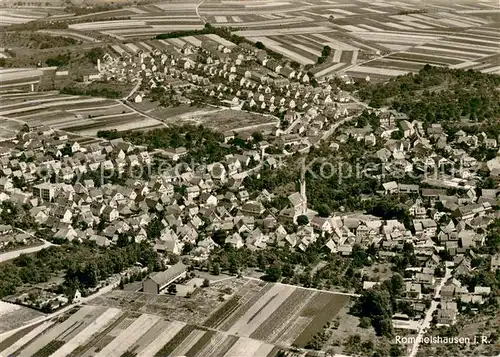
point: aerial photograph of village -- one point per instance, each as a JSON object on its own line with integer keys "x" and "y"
{"x": 249, "y": 178}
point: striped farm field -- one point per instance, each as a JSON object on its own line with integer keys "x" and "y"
{"x": 270, "y": 313}
{"x": 257, "y": 320}
{"x": 322, "y": 309}
{"x": 81, "y": 115}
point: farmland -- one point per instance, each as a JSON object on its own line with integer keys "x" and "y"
{"x": 253, "y": 319}
{"x": 375, "y": 39}
{"x": 75, "y": 114}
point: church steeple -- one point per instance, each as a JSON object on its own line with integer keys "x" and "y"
{"x": 302, "y": 182}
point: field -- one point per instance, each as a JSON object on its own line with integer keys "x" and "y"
{"x": 14, "y": 316}
{"x": 222, "y": 119}
{"x": 378, "y": 39}
{"x": 75, "y": 114}
{"x": 251, "y": 319}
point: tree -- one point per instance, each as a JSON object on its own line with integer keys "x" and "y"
{"x": 273, "y": 273}
{"x": 206, "y": 283}
{"x": 364, "y": 322}
{"x": 260, "y": 45}
{"x": 326, "y": 51}
{"x": 123, "y": 240}
{"x": 396, "y": 285}
{"x": 395, "y": 351}
{"x": 376, "y": 305}
{"x": 397, "y": 135}
{"x": 216, "y": 269}
{"x": 172, "y": 289}
{"x": 257, "y": 136}
{"x": 302, "y": 220}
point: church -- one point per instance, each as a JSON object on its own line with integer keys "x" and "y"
{"x": 298, "y": 203}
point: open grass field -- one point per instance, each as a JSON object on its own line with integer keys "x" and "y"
{"x": 251, "y": 321}
{"x": 224, "y": 119}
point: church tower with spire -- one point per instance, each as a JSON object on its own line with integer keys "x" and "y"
{"x": 302, "y": 182}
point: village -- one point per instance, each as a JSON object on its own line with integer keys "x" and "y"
{"x": 57, "y": 187}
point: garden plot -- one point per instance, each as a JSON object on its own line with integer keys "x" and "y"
{"x": 220, "y": 19}
{"x": 50, "y": 340}
{"x": 70, "y": 34}
{"x": 8, "y": 130}
{"x": 177, "y": 6}
{"x": 21, "y": 338}
{"x": 220, "y": 40}
{"x": 276, "y": 313}
{"x": 287, "y": 52}
{"x": 52, "y": 105}
{"x": 426, "y": 59}
{"x": 166, "y": 332}
{"x": 222, "y": 120}
{"x": 11, "y": 16}
{"x": 87, "y": 333}
{"x": 267, "y": 315}
{"x": 261, "y": 310}
{"x": 120, "y": 123}
{"x": 369, "y": 70}
{"x": 284, "y": 31}
{"x": 9, "y": 75}
{"x": 107, "y": 25}
{"x": 194, "y": 310}
{"x": 330, "y": 70}
{"x": 397, "y": 64}
{"x": 192, "y": 41}
{"x": 128, "y": 336}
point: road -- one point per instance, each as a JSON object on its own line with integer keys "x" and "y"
{"x": 428, "y": 316}
{"x": 136, "y": 87}
{"x": 15, "y": 253}
{"x": 198, "y": 12}
{"x": 357, "y": 101}
{"x": 335, "y": 126}
{"x": 141, "y": 113}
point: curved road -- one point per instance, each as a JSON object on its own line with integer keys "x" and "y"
{"x": 198, "y": 12}
{"x": 15, "y": 253}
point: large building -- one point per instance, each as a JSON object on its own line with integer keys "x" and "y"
{"x": 159, "y": 281}
{"x": 45, "y": 191}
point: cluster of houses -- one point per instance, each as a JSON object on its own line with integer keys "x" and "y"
{"x": 423, "y": 151}
{"x": 442, "y": 222}
{"x": 238, "y": 76}
{"x": 9, "y": 237}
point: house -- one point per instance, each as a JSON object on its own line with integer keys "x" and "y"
{"x": 66, "y": 233}
{"x": 287, "y": 72}
{"x": 495, "y": 262}
{"x": 235, "y": 241}
{"x": 413, "y": 290}
{"x": 138, "y": 98}
{"x": 390, "y": 187}
{"x": 447, "y": 315}
{"x": 321, "y": 224}
{"x": 154, "y": 284}
{"x": 110, "y": 214}
{"x": 407, "y": 128}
